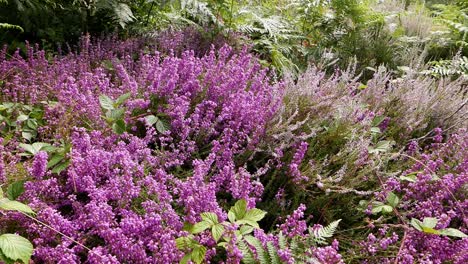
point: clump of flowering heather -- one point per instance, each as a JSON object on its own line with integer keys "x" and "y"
{"x": 126, "y": 198}
{"x": 141, "y": 145}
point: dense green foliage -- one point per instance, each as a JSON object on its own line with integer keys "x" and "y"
{"x": 286, "y": 34}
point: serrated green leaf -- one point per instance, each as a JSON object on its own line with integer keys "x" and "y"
{"x": 375, "y": 130}
{"x": 122, "y": 98}
{"x": 381, "y": 146}
{"x": 200, "y": 227}
{"x": 29, "y": 148}
{"x": 162, "y": 126}
{"x": 187, "y": 257}
{"x": 379, "y": 207}
{"x": 5, "y": 260}
{"x": 430, "y": 222}
{"x": 106, "y": 102}
{"x": 239, "y": 209}
{"x": 187, "y": 227}
{"x": 217, "y": 231}
{"x": 254, "y": 215}
{"x": 377, "y": 120}
{"x": 452, "y": 232}
{"x": 418, "y": 225}
{"x": 231, "y": 216}
{"x": 22, "y": 118}
{"x": 410, "y": 178}
{"x": 182, "y": 242}
{"x": 119, "y": 126}
{"x": 248, "y": 222}
{"x": 115, "y": 114}
{"x": 151, "y": 120}
{"x": 56, "y": 158}
{"x": 211, "y": 218}
{"x": 32, "y": 124}
{"x": 9, "y": 205}
{"x": 392, "y": 199}
{"x": 61, "y": 167}
{"x": 245, "y": 229}
{"x": 15, "y": 189}
{"x": 198, "y": 254}
{"x": 16, "y": 247}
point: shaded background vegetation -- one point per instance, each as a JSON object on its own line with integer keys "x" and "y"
{"x": 287, "y": 35}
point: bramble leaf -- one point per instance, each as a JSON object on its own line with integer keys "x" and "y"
{"x": 16, "y": 247}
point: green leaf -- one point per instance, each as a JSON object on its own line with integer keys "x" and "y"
{"x": 15, "y": 189}
{"x": 377, "y": 120}
{"x": 452, "y": 232}
{"x": 187, "y": 227}
{"x": 198, "y": 254}
{"x": 35, "y": 147}
{"x": 231, "y": 216}
{"x": 182, "y": 242}
{"x": 375, "y": 130}
{"x": 392, "y": 199}
{"x": 115, "y": 114}
{"x": 418, "y": 225}
{"x": 56, "y": 158}
{"x": 379, "y": 207}
{"x": 5, "y": 260}
{"x": 200, "y": 227}
{"x": 27, "y": 135}
{"x": 151, "y": 120}
{"x": 61, "y": 167}
{"x": 430, "y": 222}
{"x": 122, "y": 98}
{"x": 410, "y": 178}
{"x": 32, "y": 123}
{"x": 118, "y": 127}
{"x": 16, "y": 247}
{"x": 254, "y": 215}
{"x": 245, "y": 229}
{"x": 239, "y": 209}
{"x": 217, "y": 231}
{"x": 248, "y": 222}
{"x": 22, "y": 118}
{"x": 106, "y": 102}
{"x": 162, "y": 126}
{"x": 9, "y": 205}
{"x": 381, "y": 146}
{"x": 28, "y": 147}
{"x": 187, "y": 257}
{"x": 211, "y": 218}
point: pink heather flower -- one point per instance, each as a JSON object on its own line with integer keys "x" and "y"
{"x": 2, "y": 164}
{"x": 296, "y": 162}
{"x": 39, "y": 166}
{"x": 294, "y": 224}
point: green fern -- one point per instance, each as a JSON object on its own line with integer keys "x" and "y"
{"x": 445, "y": 68}
{"x": 320, "y": 235}
{"x": 273, "y": 254}
{"x": 10, "y": 26}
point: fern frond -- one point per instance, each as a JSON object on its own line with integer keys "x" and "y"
{"x": 199, "y": 10}
{"x": 10, "y": 26}
{"x": 273, "y": 254}
{"x": 262, "y": 255}
{"x": 247, "y": 255}
{"x": 322, "y": 233}
{"x": 282, "y": 241}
